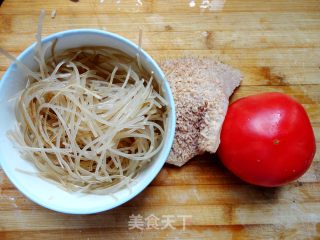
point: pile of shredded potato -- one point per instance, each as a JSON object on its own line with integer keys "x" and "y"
{"x": 90, "y": 118}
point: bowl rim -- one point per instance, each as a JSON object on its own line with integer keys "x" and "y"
{"x": 153, "y": 172}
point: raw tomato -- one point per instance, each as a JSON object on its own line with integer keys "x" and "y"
{"x": 267, "y": 139}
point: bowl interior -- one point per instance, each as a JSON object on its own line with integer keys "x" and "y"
{"x": 43, "y": 192}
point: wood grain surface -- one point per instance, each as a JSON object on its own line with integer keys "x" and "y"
{"x": 276, "y": 45}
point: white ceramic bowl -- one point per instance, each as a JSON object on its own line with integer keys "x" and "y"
{"x": 43, "y": 192}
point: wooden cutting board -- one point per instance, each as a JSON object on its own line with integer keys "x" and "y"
{"x": 276, "y": 45}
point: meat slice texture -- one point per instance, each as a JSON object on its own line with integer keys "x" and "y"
{"x": 201, "y": 88}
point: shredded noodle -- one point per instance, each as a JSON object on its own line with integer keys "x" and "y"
{"x": 90, "y": 118}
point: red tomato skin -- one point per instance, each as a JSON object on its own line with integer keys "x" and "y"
{"x": 267, "y": 139}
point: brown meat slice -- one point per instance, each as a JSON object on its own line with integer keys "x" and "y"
{"x": 201, "y": 88}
